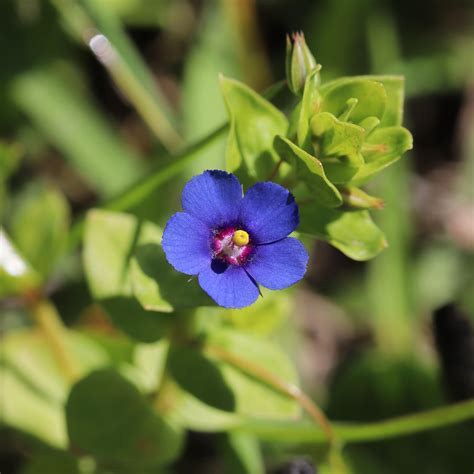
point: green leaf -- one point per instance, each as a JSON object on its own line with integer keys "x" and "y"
{"x": 108, "y": 418}
{"x": 52, "y": 462}
{"x": 189, "y": 412}
{"x": 371, "y": 97}
{"x": 201, "y": 377}
{"x": 251, "y": 396}
{"x": 331, "y": 137}
{"x": 353, "y": 233}
{"x": 383, "y": 147}
{"x": 28, "y": 353}
{"x": 39, "y": 226}
{"x": 110, "y": 241}
{"x": 395, "y": 88}
{"x": 310, "y": 170}
{"x": 33, "y": 385}
{"x": 242, "y": 454}
{"x": 254, "y": 123}
{"x": 156, "y": 285}
{"x": 23, "y": 409}
{"x": 16, "y": 275}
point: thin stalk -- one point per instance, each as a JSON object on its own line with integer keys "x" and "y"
{"x": 85, "y": 29}
{"x": 303, "y": 432}
{"x": 131, "y": 87}
{"x": 288, "y": 389}
{"x": 48, "y": 320}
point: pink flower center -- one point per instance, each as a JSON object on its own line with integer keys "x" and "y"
{"x": 225, "y": 247}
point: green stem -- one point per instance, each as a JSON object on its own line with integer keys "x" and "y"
{"x": 304, "y": 432}
{"x": 288, "y": 389}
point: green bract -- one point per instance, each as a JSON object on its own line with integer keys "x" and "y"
{"x": 341, "y": 134}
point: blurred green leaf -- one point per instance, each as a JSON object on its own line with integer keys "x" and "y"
{"x": 29, "y": 354}
{"x": 33, "y": 385}
{"x": 127, "y": 271}
{"x": 23, "y": 409}
{"x": 310, "y": 170}
{"x": 39, "y": 226}
{"x": 371, "y": 97}
{"x": 156, "y": 285}
{"x": 353, "y": 233}
{"x": 119, "y": 427}
{"x": 52, "y": 462}
{"x": 201, "y": 377}
{"x": 73, "y": 124}
{"x": 253, "y": 397}
{"x": 16, "y": 275}
{"x": 242, "y": 454}
{"x": 254, "y": 123}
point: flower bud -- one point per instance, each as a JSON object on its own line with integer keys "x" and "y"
{"x": 299, "y": 62}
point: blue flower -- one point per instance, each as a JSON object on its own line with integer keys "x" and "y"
{"x": 234, "y": 242}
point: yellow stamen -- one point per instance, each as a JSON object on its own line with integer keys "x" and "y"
{"x": 241, "y": 238}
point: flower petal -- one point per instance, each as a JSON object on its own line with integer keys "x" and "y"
{"x": 228, "y": 285}
{"x": 278, "y": 265}
{"x": 186, "y": 243}
{"x": 214, "y": 197}
{"x": 269, "y": 212}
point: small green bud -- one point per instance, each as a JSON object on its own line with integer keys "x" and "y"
{"x": 299, "y": 62}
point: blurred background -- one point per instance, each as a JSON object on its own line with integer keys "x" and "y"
{"x": 371, "y": 340}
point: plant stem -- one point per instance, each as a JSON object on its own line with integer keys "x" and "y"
{"x": 289, "y": 389}
{"x": 134, "y": 91}
{"x": 303, "y": 432}
{"x": 47, "y": 318}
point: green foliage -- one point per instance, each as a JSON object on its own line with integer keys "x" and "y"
{"x": 119, "y": 428}
{"x": 254, "y": 123}
{"x": 347, "y": 131}
{"x": 43, "y": 208}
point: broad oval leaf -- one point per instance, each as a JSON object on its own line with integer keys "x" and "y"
{"x": 110, "y": 240}
{"x": 254, "y": 123}
{"x": 310, "y": 170}
{"x": 371, "y": 98}
{"x": 353, "y": 233}
{"x": 108, "y": 418}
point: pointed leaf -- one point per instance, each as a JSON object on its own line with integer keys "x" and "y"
{"x": 254, "y": 123}
{"x": 353, "y": 233}
{"x": 383, "y": 147}
{"x": 310, "y": 170}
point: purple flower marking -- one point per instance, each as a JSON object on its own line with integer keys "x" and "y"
{"x": 234, "y": 242}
